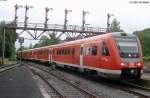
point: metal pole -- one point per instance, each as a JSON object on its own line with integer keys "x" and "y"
{"x": 21, "y": 40}
{"x": 26, "y": 18}
{"x": 16, "y": 9}
{"x": 26, "y": 15}
{"x": 66, "y": 20}
{"x": 46, "y": 15}
{"x": 3, "y": 47}
{"x": 16, "y": 17}
{"x": 83, "y": 19}
{"x": 21, "y": 53}
{"x": 108, "y": 22}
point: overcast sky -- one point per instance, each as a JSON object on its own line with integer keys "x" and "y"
{"x": 132, "y": 16}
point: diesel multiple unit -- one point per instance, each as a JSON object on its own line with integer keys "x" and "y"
{"x": 116, "y": 55}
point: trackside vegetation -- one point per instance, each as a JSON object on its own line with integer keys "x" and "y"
{"x": 144, "y": 37}
{"x": 9, "y": 41}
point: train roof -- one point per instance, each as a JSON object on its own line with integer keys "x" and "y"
{"x": 122, "y": 34}
{"x": 115, "y": 34}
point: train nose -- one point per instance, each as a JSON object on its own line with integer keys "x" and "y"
{"x": 130, "y": 64}
{"x": 131, "y": 72}
{"x": 134, "y": 71}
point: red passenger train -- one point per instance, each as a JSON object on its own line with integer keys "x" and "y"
{"x": 116, "y": 55}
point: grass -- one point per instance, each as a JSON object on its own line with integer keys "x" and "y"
{"x": 146, "y": 59}
{"x": 6, "y": 61}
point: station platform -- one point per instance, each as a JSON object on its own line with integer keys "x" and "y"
{"x": 18, "y": 83}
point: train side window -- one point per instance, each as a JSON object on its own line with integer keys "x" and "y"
{"x": 73, "y": 50}
{"x": 68, "y": 51}
{"x": 65, "y": 51}
{"x": 40, "y": 52}
{"x": 46, "y": 52}
{"x": 94, "y": 50}
{"x": 62, "y": 51}
{"x": 87, "y": 50}
{"x": 53, "y": 52}
{"x": 59, "y": 52}
{"x": 105, "y": 51}
{"x": 81, "y": 50}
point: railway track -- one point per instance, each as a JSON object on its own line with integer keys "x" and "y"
{"x": 147, "y": 70}
{"x": 137, "y": 90}
{"x": 66, "y": 89}
{"x": 8, "y": 67}
{"x": 54, "y": 93}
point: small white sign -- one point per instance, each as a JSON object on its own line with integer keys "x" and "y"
{"x": 21, "y": 40}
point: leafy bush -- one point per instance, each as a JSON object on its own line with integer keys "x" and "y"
{"x": 144, "y": 37}
{"x": 146, "y": 58}
{"x": 6, "y": 61}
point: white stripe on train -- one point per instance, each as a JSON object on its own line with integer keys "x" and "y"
{"x": 107, "y": 71}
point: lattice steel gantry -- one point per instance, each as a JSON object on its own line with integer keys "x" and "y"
{"x": 35, "y": 30}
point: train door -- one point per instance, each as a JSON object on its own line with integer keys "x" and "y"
{"x": 50, "y": 56}
{"x": 81, "y": 55}
{"x": 105, "y": 59}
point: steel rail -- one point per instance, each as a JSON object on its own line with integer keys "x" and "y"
{"x": 136, "y": 86}
{"x": 140, "y": 94}
{"x": 8, "y": 67}
{"x": 51, "y": 86}
{"x": 123, "y": 87}
{"x": 70, "y": 83}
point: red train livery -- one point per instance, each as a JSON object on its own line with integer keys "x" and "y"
{"x": 111, "y": 55}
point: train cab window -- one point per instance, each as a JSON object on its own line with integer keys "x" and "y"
{"x": 87, "y": 51}
{"x": 73, "y": 50}
{"x": 105, "y": 51}
{"x": 94, "y": 50}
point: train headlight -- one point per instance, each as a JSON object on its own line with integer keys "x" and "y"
{"x": 124, "y": 64}
{"x": 139, "y": 64}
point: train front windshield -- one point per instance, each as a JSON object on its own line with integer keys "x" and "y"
{"x": 128, "y": 48}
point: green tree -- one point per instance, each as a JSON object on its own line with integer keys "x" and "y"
{"x": 45, "y": 40}
{"x": 115, "y": 26}
{"x": 23, "y": 48}
{"x": 1, "y": 36}
{"x": 9, "y": 40}
{"x": 144, "y": 37}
